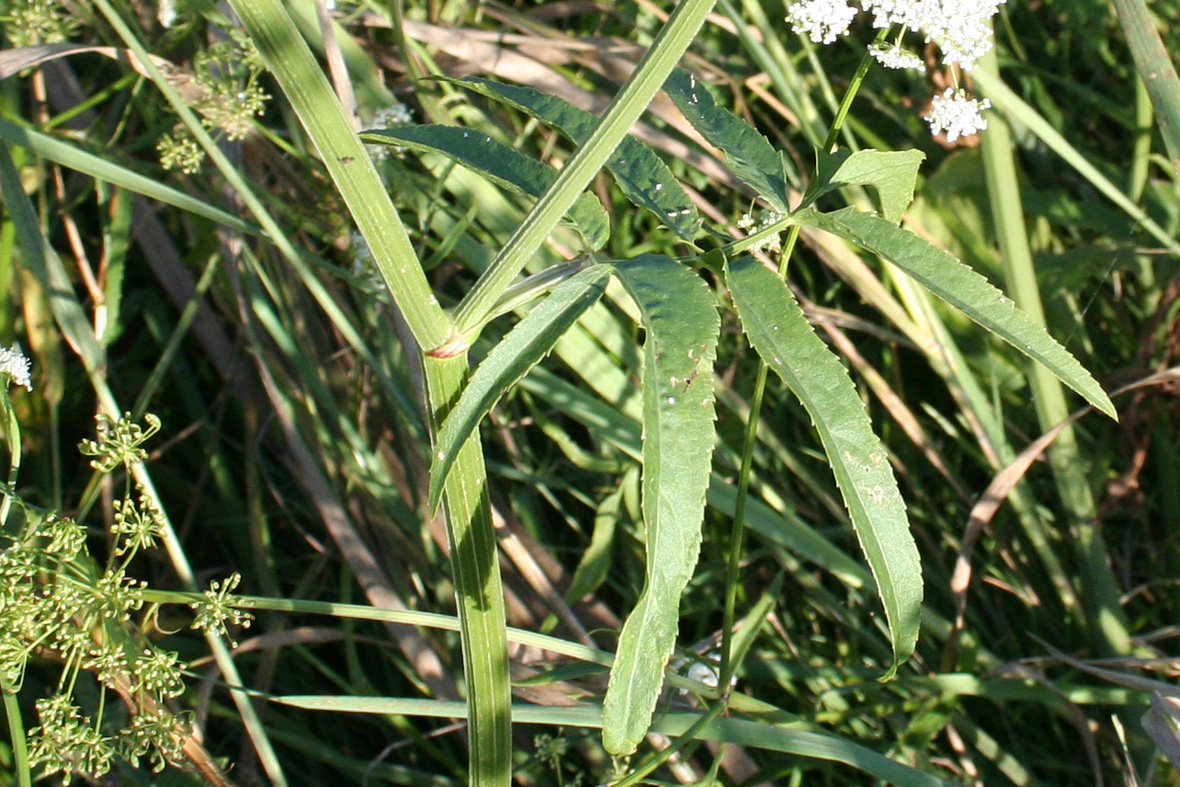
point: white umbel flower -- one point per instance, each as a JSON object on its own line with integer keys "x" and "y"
{"x": 396, "y": 115}
{"x": 956, "y": 114}
{"x": 822, "y": 20}
{"x": 961, "y": 28}
{"x": 166, "y": 13}
{"x": 898, "y": 58}
{"x": 14, "y": 363}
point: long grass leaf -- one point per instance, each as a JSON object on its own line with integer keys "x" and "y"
{"x": 779, "y": 331}
{"x": 1155, "y": 68}
{"x": 681, "y": 321}
{"x": 98, "y": 168}
{"x": 1100, "y": 588}
{"x": 741, "y": 732}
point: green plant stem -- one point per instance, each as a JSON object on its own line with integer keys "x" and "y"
{"x": 637, "y": 92}
{"x": 12, "y": 438}
{"x": 478, "y": 587}
{"x": 16, "y": 730}
{"x": 858, "y": 78}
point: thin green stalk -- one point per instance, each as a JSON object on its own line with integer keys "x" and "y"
{"x": 12, "y": 438}
{"x": 16, "y": 730}
{"x": 862, "y": 71}
{"x": 405, "y": 617}
{"x": 682, "y": 740}
{"x": 1099, "y": 588}
{"x": 174, "y": 341}
{"x": 737, "y": 533}
{"x": 634, "y": 97}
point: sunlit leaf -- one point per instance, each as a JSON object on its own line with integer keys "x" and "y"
{"x": 893, "y": 174}
{"x": 679, "y": 317}
{"x": 779, "y": 331}
{"x": 749, "y": 154}
{"x": 963, "y": 288}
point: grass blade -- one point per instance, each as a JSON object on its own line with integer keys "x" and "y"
{"x": 1156, "y": 70}
{"x": 680, "y": 318}
{"x": 101, "y": 169}
{"x": 778, "y": 330}
{"x": 740, "y": 732}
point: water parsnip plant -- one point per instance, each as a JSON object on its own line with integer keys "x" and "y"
{"x": 684, "y": 440}
{"x": 681, "y": 333}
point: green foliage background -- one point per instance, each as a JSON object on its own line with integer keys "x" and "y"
{"x": 296, "y": 450}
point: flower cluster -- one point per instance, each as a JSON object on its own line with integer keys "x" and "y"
{"x": 58, "y": 603}
{"x": 14, "y": 364}
{"x": 397, "y": 114}
{"x": 897, "y": 58}
{"x": 771, "y": 243}
{"x": 822, "y": 20}
{"x": 219, "y": 609}
{"x": 956, "y": 114}
{"x": 166, "y": 13}
{"x": 225, "y": 77}
{"x": 961, "y": 28}
{"x": 118, "y": 442}
{"x": 136, "y": 526}
{"x": 39, "y": 22}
